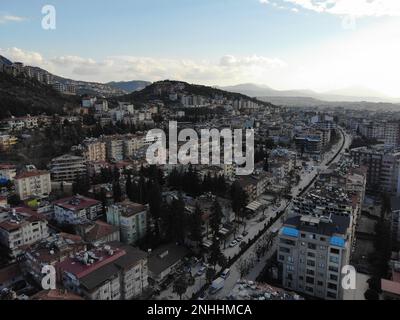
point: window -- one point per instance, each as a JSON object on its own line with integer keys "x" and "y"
{"x": 334, "y": 259}
{"x": 334, "y": 269}
{"x": 310, "y": 272}
{"x": 332, "y": 286}
{"x": 281, "y": 258}
{"x": 311, "y": 254}
{"x": 320, "y": 283}
{"x": 312, "y": 246}
{"x": 288, "y": 242}
{"x": 335, "y": 251}
{"x": 311, "y": 263}
{"x": 285, "y": 250}
{"x": 310, "y": 280}
{"x": 333, "y": 277}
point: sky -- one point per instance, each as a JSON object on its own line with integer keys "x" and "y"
{"x": 321, "y": 45}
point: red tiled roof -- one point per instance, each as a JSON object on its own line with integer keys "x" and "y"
{"x": 5, "y": 166}
{"x": 81, "y": 202}
{"x": 55, "y": 295}
{"x": 81, "y": 270}
{"x": 29, "y": 174}
{"x": 100, "y": 230}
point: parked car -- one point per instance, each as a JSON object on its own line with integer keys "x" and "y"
{"x": 239, "y": 239}
{"x": 233, "y": 244}
{"x": 225, "y": 274}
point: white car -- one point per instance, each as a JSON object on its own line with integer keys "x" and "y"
{"x": 239, "y": 239}
{"x": 233, "y": 244}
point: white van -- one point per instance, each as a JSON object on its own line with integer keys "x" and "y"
{"x": 225, "y": 273}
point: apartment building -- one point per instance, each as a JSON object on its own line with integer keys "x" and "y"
{"x": 32, "y": 183}
{"x": 93, "y": 150}
{"x": 110, "y": 272}
{"x": 313, "y": 251}
{"x": 387, "y": 132}
{"x": 19, "y": 123}
{"x": 392, "y": 134}
{"x": 50, "y": 251}
{"x": 383, "y": 167}
{"x": 7, "y": 141}
{"x": 132, "y": 144}
{"x": 131, "y": 218}
{"x": 77, "y": 209}
{"x": 7, "y": 171}
{"x": 21, "y": 227}
{"x": 101, "y": 106}
{"x": 311, "y": 143}
{"x": 67, "y": 168}
{"x": 114, "y": 148}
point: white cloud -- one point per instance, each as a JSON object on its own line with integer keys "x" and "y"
{"x": 231, "y": 61}
{"x": 11, "y": 18}
{"x": 356, "y": 8}
{"x": 227, "y": 70}
{"x": 27, "y": 57}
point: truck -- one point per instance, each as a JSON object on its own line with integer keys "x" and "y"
{"x": 217, "y": 285}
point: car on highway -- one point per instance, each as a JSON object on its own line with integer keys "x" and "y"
{"x": 225, "y": 274}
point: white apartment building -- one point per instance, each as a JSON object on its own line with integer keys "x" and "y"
{"x": 32, "y": 184}
{"x": 110, "y": 272}
{"x": 131, "y": 218}
{"x": 76, "y": 209}
{"x": 21, "y": 227}
{"x": 132, "y": 144}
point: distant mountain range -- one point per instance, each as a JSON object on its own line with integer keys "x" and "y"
{"x": 129, "y": 86}
{"x": 351, "y": 94}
